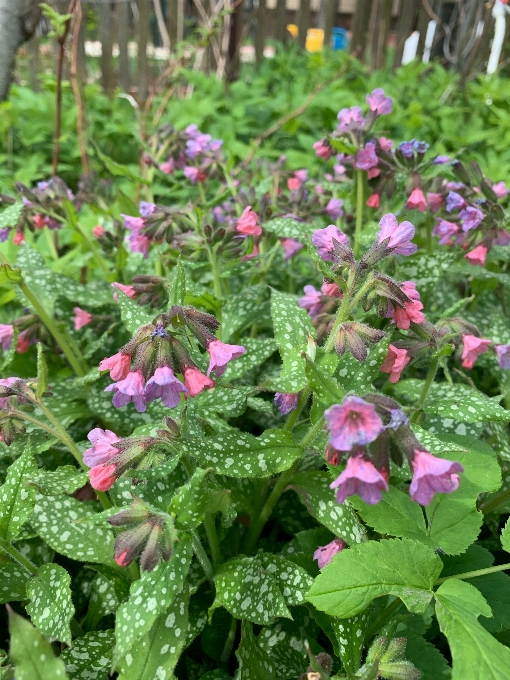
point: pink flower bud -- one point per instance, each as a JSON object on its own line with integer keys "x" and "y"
{"x": 373, "y": 201}
{"x": 416, "y": 200}
{"x": 477, "y": 255}
{"x": 81, "y": 318}
{"x": 331, "y": 289}
{"x": 324, "y": 554}
{"x": 18, "y": 239}
{"x": 500, "y": 189}
{"x": 118, "y": 365}
{"x": 128, "y": 290}
{"x": 322, "y": 149}
{"x": 98, "y": 231}
{"x": 412, "y": 310}
{"x": 196, "y": 381}
{"x": 22, "y": 345}
{"x": 386, "y": 144}
{"x": 102, "y": 477}
{"x": 247, "y": 223}
{"x": 122, "y": 559}
{"x": 395, "y": 362}
{"x": 473, "y": 346}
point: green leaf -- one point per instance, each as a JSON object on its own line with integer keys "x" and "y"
{"x": 293, "y": 580}
{"x": 132, "y": 315}
{"x": 231, "y": 403}
{"x": 475, "y": 652}
{"x": 357, "y": 575}
{"x": 64, "y": 480}
{"x": 325, "y": 386}
{"x": 149, "y": 597}
{"x": 249, "y": 592}
{"x": 16, "y": 501}
{"x": 241, "y": 309}
{"x": 13, "y": 582}
{"x": 427, "y": 659}
{"x": 314, "y": 491}
{"x": 346, "y": 635}
{"x": 238, "y": 454}
{"x": 505, "y": 537}
{"x": 90, "y": 657}
{"x": 10, "y": 216}
{"x": 468, "y": 408}
{"x": 254, "y": 663}
{"x": 291, "y": 323}
{"x": 156, "y": 654}
{"x": 257, "y": 351}
{"x": 31, "y": 653}
{"x": 190, "y": 502}
{"x": 57, "y": 520}
{"x": 284, "y": 642}
{"x": 9, "y": 274}
{"x": 117, "y": 169}
{"x": 426, "y": 270}
{"x": 177, "y": 287}
{"x": 358, "y": 377}
{"x": 292, "y": 377}
{"x": 50, "y": 607}
{"x": 42, "y": 372}
{"x": 104, "y": 599}
{"x": 286, "y": 227}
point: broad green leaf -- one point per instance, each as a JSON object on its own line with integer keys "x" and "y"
{"x": 358, "y": 377}
{"x": 357, "y": 575}
{"x": 427, "y": 659}
{"x": 32, "y": 653}
{"x": 10, "y": 216}
{"x": 426, "y": 270}
{"x": 249, "y": 592}
{"x": 291, "y": 323}
{"x": 243, "y": 309}
{"x": 9, "y": 274}
{"x": 90, "y": 657}
{"x": 475, "y": 652}
{"x": 13, "y": 582}
{"x": 189, "y": 504}
{"x": 16, "y": 501}
{"x": 325, "y": 387}
{"x": 50, "y": 607}
{"x": 61, "y": 523}
{"x": 314, "y": 491}
{"x": 468, "y": 408}
{"x": 132, "y": 315}
{"x": 177, "y": 287}
{"x": 155, "y": 655}
{"x": 117, "y": 169}
{"x": 257, "y": 351}
{"x": 254, "y": 663}
{"x": 293, "y": 581}
{"x": 230, "y": 403}
{"x": 103, "y": 600}
{"x": 505, "y": 537}
{"x": 286, "y": 227}
{"x": 395, "y": 514}
{"x": 238, "y": 454}
{"x": 149, "y": 597}
{"x": 64, "y": 480}
{"x": 292, "y": 377}
{"x": 284, "y": 643}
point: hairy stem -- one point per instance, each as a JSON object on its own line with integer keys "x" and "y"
{"x": 383, "y": 618}
{"x": 202, "y": 556}
{"x": 229, "y": 642}
{"x": 495, "y": 501}
{"x": 212, "y": 537}
{"x": 359, "y": 212}
{"x": 15, "y": 555}
{"x": 426, "y": 387}
{"x": 473, "y": 574}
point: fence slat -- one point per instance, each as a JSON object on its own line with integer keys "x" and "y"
{"x": 143, "y": 39}
{"x": 406, "y": 18}
{"x": 123, "y": 36}
{"x": 303, "y": 21}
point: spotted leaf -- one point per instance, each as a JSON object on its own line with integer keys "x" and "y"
{"x": 50, "y": 607}
{"x": 90, "y": 657}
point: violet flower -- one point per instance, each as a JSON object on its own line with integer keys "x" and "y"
{"x": 131, "y": 389}
{"x": 334, "y": 208}
{"x": 353, "y": 422}
{"x": 102, "y": 449}
{"x": 165, "y": 386}
{"x": 360, "y": 477}
{"x": 286, "y": 402}
{"x": 6, "y": 335}
{"x": 400, "y": 235}
{"x": 432, "y": 475}
{"x": 454, "y": 201}
{"x": 311, "y": 301}
{"x": 322, "y": 239}
{"x": 471, "y": 218}
{"x": 220, "y": 354}
{"x": 379, "y": 103}
{"x": 503, "y": 354}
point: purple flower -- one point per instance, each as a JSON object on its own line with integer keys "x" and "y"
{"x": 334, "y": 208}
{"x": 129, "y": 389}
{"x": 325, "y": 553}
{"x": 366, "y": 158}
{"x": 360, "y": 477}
{"x": 6, "y": 335}
{"x": 291, "y": 246}
{"x": 400, "y": 235}
{"x": 102, "y": 447}
{"x": 420, "y": 147}
{"x": 311, "y": 301}
{"x": 353, "y": 422}
{"x": 500, "y": 189}
{"x": 454, "y": 201}
{"x": 220, "y": 354}
{"x": 133, "y": 223}
{"x": 139, "y": 243}
{"x": 146, "y": 208}
{"x": 407, "y": 148}
{"x": 4, "y": 234}
{"x": 503, "y": 352}
{"x": 350, "y": 119}
{"x": 398, "y": 418}
{"x": 165, "y": 386}
{"x": 192, "y": 174}
{"x": 286, "y": 402}
{"x": 322, "y": 239}
{"x": 471, "y": 216}
{"x": 445, "y": 230}
{"x": 441, "y": 160}
{"x": 378, "y": 103}
{"x": 432, "y": 475}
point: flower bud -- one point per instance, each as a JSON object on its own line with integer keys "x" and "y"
{"x": 396, "y": 648}
{"x": 399, "y": 670}
{"x": 462, "y": 174}
{"x": 376, "y": 650}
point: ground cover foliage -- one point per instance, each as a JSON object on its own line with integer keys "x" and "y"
{"x": 254, "y": 415}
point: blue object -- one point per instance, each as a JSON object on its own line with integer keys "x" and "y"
{"x": 339, "y": 39}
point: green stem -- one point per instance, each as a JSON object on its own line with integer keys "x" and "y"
{"x": 228, "y": 179}
{"x": 95, "y": 250}
{"x": 359, "y": 212}
{"x": 15, "y": 555}
{"x": 495, "y": 501}
{"x": 425, "y": 390}
{"x": 51, "y": 244}
{"x": 294, "y": 415}
{"x": 212, "y": 537}
{"x": 473, "y": 574}
{"x": 342, "y": 313}
{"x": 214, "y": 269}
{"x": 360, "y": 294}
{"x": 202, "y": 556}
{"x": 383, "y": 618}
{"x": 53, "y": 328}
{"x": 229, "y": 642}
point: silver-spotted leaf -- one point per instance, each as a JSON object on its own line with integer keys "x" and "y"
{"x": 50, "y": 607}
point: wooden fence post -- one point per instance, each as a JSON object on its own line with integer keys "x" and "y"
{"x": 281, "y": 20}
{"x": 143, "y": 39}
{"x": 105, "y": 31}
{"x": 303, "y": 22}
{"x": 360, "y": 24}
{"x": 327, "y": 19}
{"x": 260, "y": 33}
{"x": 406, "y": 18}
{"x": 123, "y": 39}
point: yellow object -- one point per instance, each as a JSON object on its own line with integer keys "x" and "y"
{"x": 314, "y": 40}
{"x": 293, "y": 30}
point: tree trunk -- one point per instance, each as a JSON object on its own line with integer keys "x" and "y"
{"x": 104, "y": 15}
{"x": 406, "y": 19}
{"x": 18, "y": 20}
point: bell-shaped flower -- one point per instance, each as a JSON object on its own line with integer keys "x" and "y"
{"x": 412, "y": 310}
{"x": 118, "y": 365}
{"x": 196, "y": 381}
{"x": 416, "y": 200}
{"x": 247, "y": 223}
{"x": 81, "y": 318}
{"x": 503, "y": 354}
{"x": 311, "y": 301}
{"x": 373, "y": 201}
{"x": 471, "y": 218}
{"x": 291, "y": 246}
{"x": 379, "y": 103}
{"x": 6, "y": 335}
{"x": 286, "y": 402}
{"x": 473, "y": 346}
{"x": 360, "y": 477}
{"x": 446, "y": 231}
{"x": 325, "y": 553}
{"x": 322, "y": 239}
{"x": 102, "y": 449}
{"x": 400, "y": 235}
{"x": 454, "y": 201}
{"x": 131, "y": 389}
{"x": 220, "y": 354}
{"x": 432, "y": 475}
{"x": 395, "y": 362}
{"x": 165, "y": 386}
{"x": 477, "y": 255}
{"x": 352, "y": 422}
{"x": 322, "y": 149}
{"x": 102, "y": 477}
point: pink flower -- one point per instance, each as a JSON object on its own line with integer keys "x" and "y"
{"x": 196, "y": 381}
{"x": 435, "y": 201}
{"x": 477, "y": 255}
{"x": 325, "y": 553}
{"x": 366, "y": 158}
{"x": 254, "y": 253}
{"x": 40, "y": 221}
{"x": 353, "y": 422}
{"x": 360, "y": 477}
{"x": 220, "y": 354}
{"x": 291, "y": 246}
{"x": 167, "y": 167}
{"x": 22, "y": 345}
{"x": 471, "y": 216}
{"x": 473, "y": 346}
{"x": 139, "y": 243}
{"x": 503, "y": 353}
{"x": 386, "y": 144}
{"x": 98, "y": 231}
{"x": 311, "y": 301}
{"x": 500, "y": 189}
{"x": 432, "y": 475}
{"x": 378, "y": 103}
{"x": 350, "y": 119}
{"x": 416, "y": 200}
{"x": 81, "y": 318}
{"x": 18, "y": 239}
{"x": 133, "y": 223}
{"x": 192, "y": 174}
{"x": 286, "y": 402}
{"x": 302, "y": 175}
{"x": 102, "y": 477}
{"x": 373, "y": 200}
{"x": 128, "y": 290}
{"x": 400, "y": 235}
{"x": 323, "y": 240}
{"x": 131, "y": 389}
{"x": 395, "y": 362}
{"x": 293, "y": 183}
{"x": 7, "y": 382}
{"x": 102, "y": 450}
{"x": 331, "y": 289}
{"x": 411, "y": 312}
{"x": 503, "y": 238}
{"x": 322, "y": 149}
{"x": 6, "y": 335}
{"x": 118, "y": 365}
{"x": 247, "y": 223}
{"x": 334, "y": 208}
{"x": 165, "y": 386}
{"x": 445, "y": 230}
